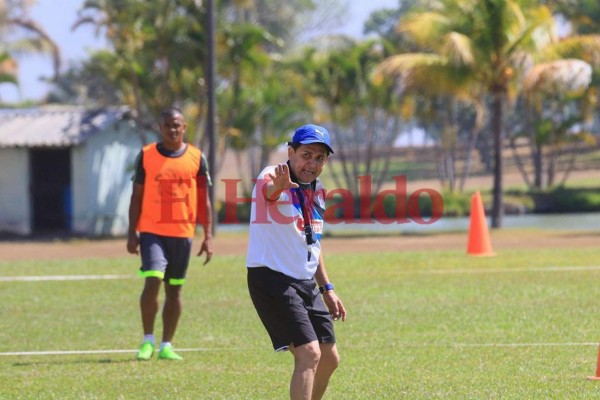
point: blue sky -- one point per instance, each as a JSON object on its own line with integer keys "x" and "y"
{"x": 57, "y": 17}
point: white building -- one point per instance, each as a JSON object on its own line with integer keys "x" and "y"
{"x": 67, "y": 170}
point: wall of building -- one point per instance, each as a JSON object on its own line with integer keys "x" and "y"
{"x": 15, "y": 204}
{"x": 102, "y": 171}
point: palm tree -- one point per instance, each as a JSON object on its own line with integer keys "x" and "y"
{"x": 242, "y": 57}
{"x": 41, "y": 42}
{"x": 157, "y": 55}
{"x": 448, "y": 106}
{"x": 556, "y": 102}
{"x": 260, "y": 113}
{"x": 14, "y": 19}
{"x": 363, "y": 114}
{"x": 487, "y": 44}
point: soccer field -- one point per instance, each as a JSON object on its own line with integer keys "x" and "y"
{"x": 421, "y": 325}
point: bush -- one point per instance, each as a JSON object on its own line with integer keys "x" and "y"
{"x": 556, "y": 200}
{"x": 233, "y": 213}
{"x": 567, "y": 200}
{"x": 457, "y": 204}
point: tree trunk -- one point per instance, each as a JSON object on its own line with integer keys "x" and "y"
{"x": 519, "y": 162}
{"x": 483, "y": 148}
{"x": 474, "y": 134}
{"x": 392, "y": 125}
{"x": 265, "y": 154}
{"x": 341, "y": 155}
{"x": 552, "y": 161}
{"x": 241, "y": 171}
{"x": 449, "y": 134}
{"x": 199, "y": 131}
{"x": 498, "y": 134}
{"x": 537, "y": 165}
{"x": 570, "y": 166}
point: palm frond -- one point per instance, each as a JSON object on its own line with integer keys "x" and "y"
{"x": 49, "y": 44}
{"x": 562, "y": 76}
{"x": 8, "y": 69}
{"x": 516, "y": 15}
{"x": 8, "y": 78}
{"x": 584, "y": 47}
{"x": 91, "y": 4}
{"x": 425, "y": 28}
{"x": 82, "y": 21}
{"x": 427, "y": 74}
{"x": 458, "y": 49}
{"x": 535, "y": 34}
{"x": 403, "y": 63}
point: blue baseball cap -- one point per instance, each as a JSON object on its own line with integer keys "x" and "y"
{"x": 310, "y": 133}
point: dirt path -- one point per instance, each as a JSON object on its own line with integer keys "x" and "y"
{"x": 235, "y": 244}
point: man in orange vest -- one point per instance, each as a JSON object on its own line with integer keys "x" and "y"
{"x": 169, "y": 197}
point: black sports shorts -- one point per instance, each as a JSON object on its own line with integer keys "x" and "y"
{"x": 291, "y": 310}
{"x": 165, "y": 257}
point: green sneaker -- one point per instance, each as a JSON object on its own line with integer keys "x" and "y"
{"x": 167, "y": 353}
{"x": 146, "y": 351}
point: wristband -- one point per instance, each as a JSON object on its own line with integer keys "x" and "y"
{"x": 326, "y": 287}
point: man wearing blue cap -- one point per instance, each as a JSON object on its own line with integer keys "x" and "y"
{"x": 287, "y": 280}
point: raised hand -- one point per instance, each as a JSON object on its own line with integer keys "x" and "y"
{"x": 279, "y": 182}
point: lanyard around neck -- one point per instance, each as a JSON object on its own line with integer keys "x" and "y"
{"x": 307, "y": 227}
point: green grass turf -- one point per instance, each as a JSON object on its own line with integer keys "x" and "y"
{"x": 421, "y": 325}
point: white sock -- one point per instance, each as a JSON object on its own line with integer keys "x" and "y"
{"x": 164, "y": 344}
{"x": 149, "y": 338}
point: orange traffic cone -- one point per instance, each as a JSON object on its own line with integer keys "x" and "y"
{"x": 597, "y": 377}
{"x": 479, "y": 237}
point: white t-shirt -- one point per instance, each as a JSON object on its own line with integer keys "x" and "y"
{"x": 277, "y": 239}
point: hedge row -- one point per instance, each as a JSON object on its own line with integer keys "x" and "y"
{"x": 426, "y": 205}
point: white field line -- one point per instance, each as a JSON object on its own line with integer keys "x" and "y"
{"x": 506, "y": 270}
{"x": 524, "y": 344}
{"x": 206, "y": 349}
{"x": 482, "y": 270}
{"x": 482, "y": 345}
{"x": 426, "y": 272}
{"x": 62, "y": 278}
{"x": 108, "y": 351}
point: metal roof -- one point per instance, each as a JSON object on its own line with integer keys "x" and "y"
{"x": 54, "y": 126}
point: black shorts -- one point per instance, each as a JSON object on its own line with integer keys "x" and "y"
{"x": 291, "y": 310}
{"x": 165, "y": 257}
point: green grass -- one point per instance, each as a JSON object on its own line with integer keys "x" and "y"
{"x": 422, "y": 325}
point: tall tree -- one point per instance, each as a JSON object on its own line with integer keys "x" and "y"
{"x": 489, "y": 43}
{"x": 21, "y": 34}
{"x": 157, "y": 51}
{"x": 362, "y": 114}
{"x": 448, "y": 105}
{"x": 254, "y": 37}
{"x": 556, "y": 106}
